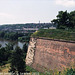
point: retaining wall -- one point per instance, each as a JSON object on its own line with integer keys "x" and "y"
{"x": 48, "y": 54}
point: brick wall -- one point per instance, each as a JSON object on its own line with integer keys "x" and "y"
{"x": 53, "y": 54}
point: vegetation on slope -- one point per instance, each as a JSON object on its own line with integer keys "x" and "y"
{"x": 5, "y": 68}
{"x": 55, "y": 34}
{"x": 9, "y": 55}
{"x": 15, "y": 36}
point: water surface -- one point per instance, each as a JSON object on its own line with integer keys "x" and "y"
{"x": 16, "y": 43}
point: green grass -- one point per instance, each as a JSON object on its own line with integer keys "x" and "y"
{"x": 66, "y": 71}
{"x": 5, "y": 68}
{"x": 31, "y": 70}
{"x": 28, "y": 68}
{"x": 55, "y": 34}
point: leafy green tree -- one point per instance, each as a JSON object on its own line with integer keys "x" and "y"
{"x": 0, "y": 45}
{"x": 65, "y": 20}
{"x": 2, "y": 34}
{"x": 5, "y": 53}
{"x": 6, "y": 36}
{"x": 25, "y": 47}
{"x": 72, "y": 19}
{"x": 9, "y": 46}
{"x": 3, "y": 56}
{"x": 17, "y": 61}
{"x": 11, "y": 35}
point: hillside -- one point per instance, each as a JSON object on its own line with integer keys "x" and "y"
{"x": 55, "y": 34}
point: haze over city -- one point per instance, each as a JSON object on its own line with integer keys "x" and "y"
{"x": 32, "y": 11}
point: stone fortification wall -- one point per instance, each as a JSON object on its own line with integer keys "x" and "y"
{"x": 47, "y": 54}
{"x": 30, "y": 52}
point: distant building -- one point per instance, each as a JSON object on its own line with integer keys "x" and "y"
{"x": 30, "y": 28}
{"x": 45, "y": 28}
{"x": 52, "y": 27}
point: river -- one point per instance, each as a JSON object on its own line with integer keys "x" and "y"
{"x": 17, "y": 43}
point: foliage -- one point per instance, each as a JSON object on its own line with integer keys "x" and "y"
{"x": 25, "y": 48}
{"x": 15, "y": 36}
{"x": 9, "y": 55}
{"x": 55, "y": 34}
{"x": 65, "y": 20}
{"x": 5, "y": 68}
{"x": 0, "y": 45}
{"x": 29, "y": 69}
{"x": 3, "y": 56}
{"x": 2, "y": 34}
{"x": 66, "y": 71}
{"x": 5, "y": 53}
{"x": 17, "y": 61}
{"x": 9, "y": 35}
{"x": 24, "y": 38}
{"x": 9, "y": 46}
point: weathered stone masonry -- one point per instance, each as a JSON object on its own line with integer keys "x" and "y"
{"x": 50, "y": 54}
{"x": 30, "y": 53}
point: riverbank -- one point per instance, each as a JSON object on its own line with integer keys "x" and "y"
{"x": 15, "y": 36}
{"x": 3, "y": 43}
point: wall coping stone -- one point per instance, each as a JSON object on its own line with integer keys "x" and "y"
{"x": 60, "y": 40}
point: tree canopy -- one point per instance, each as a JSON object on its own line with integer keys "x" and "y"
{"x": 65, "y": 20}
{"x": 17, "y": 61}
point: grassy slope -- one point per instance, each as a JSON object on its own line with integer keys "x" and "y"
{"x": 5, "y": 68}
{"x": 55, "y": 34}
{"x": 28, "y": 68}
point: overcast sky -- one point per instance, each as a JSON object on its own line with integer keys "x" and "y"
{"x": 32, "y": 11}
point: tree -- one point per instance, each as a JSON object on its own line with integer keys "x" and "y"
{"x": 17, "y": 61}
{"x": 9, "y": 46}
{"x": 72, "y": 19}
{"x": 25, "y": 48}
{"x": 3, "y": 56}
{"x": 5, "y": 53}
{"x": 65, "y": 20}
{"x": 2, "y": 34}
{"x": 0, "y": 45}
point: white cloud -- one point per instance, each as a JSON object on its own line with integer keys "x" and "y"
{"x": 66, "y": 3}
